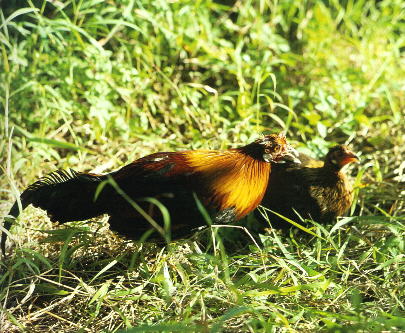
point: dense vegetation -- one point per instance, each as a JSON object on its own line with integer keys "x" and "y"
{"x": 92, "y": 84}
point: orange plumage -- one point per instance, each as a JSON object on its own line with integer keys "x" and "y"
{"x": 233, "y": 178}
{"x": 229, "y": 183}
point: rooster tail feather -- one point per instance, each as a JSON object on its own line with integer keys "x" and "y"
{"x": 66, "y": 195}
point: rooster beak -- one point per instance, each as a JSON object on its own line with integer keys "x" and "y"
{"x": 268, "y": 158}
{"x": 291, "y": 156}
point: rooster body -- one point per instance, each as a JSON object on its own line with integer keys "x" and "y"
{"x": 228, "y": 183}
{"x": 317, "y": 190}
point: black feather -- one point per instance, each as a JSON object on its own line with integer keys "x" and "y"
{"x": 66, "y": 195}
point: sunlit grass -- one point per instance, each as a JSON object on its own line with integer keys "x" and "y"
{"x": 91, "y": 85}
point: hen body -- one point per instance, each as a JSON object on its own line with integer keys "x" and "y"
{"x": 228, "y": 183}
{"x": 317, "y": 190}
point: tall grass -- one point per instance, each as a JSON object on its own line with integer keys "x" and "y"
{"x": 92, "y": 84}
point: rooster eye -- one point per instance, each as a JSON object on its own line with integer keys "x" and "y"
{"x": 269, "y": 150}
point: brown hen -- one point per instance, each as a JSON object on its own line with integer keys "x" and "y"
{"x": 317, "y": 190}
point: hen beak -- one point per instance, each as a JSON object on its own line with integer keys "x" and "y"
{"x": 350, "y": 157}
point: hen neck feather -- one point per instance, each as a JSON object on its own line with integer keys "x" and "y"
{"x": 326, "y": 178}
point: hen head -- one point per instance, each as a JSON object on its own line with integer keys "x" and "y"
{"x": 339, "y": 156}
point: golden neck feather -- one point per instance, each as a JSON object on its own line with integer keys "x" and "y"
{"x": 232, "y": 178}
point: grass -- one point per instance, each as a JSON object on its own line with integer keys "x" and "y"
{"x": 90, "y": 85}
